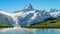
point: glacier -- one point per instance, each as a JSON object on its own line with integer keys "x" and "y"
{"x": 26, "y": 17}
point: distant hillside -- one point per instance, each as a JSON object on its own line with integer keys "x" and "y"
{"x": 47, "y": 23}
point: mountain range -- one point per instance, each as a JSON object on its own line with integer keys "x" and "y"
{"x": 27, "y": 16}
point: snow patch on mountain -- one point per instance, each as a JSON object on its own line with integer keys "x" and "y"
{"x": 29, "y": 16}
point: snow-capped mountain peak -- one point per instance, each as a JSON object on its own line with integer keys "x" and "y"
{"x": 27, "y": 16}
{"x": 28, "y": 7}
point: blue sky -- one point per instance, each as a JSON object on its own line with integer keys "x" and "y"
{"x": 15, "y": 5}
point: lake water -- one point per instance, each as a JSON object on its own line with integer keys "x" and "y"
{"x": 28, "y": 31}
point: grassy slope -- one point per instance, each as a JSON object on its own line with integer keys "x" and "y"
{"x": 50, "y": 23}
{"x": 5, "y": 26}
